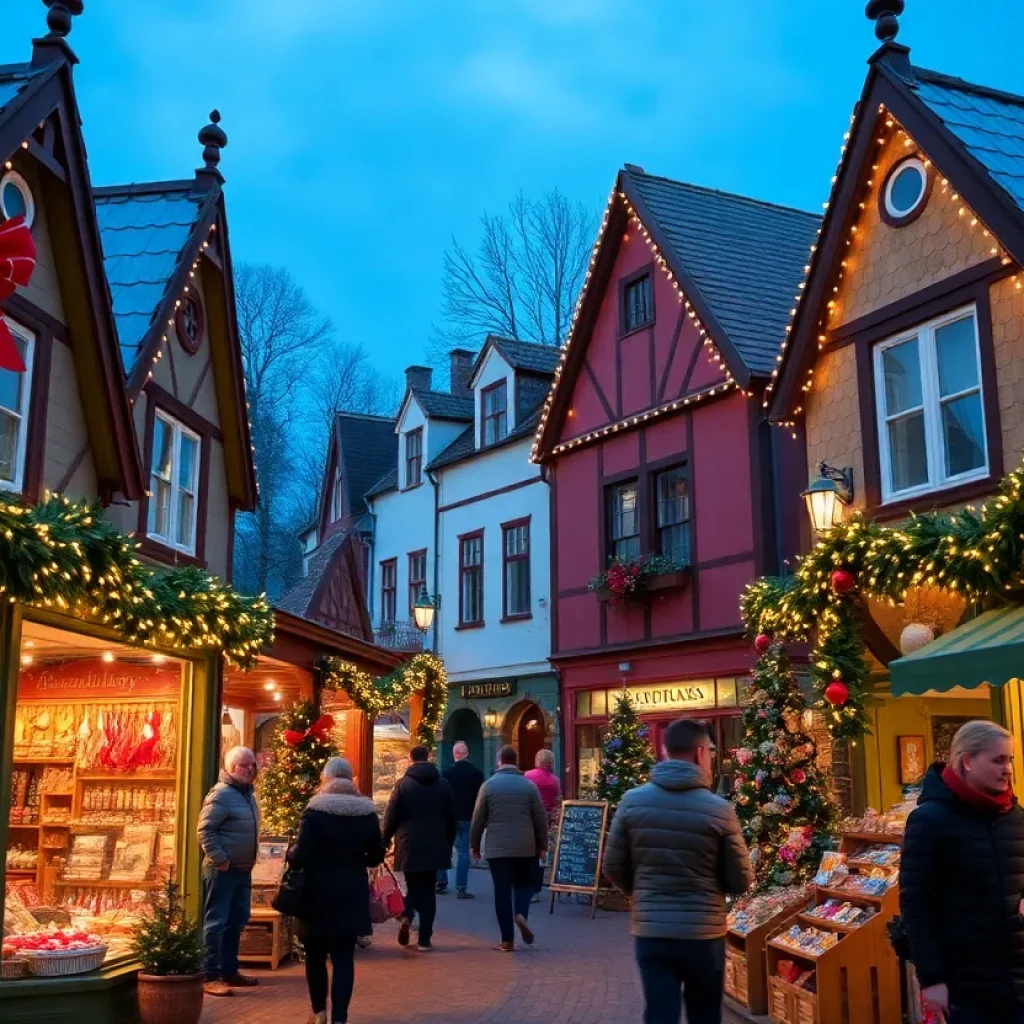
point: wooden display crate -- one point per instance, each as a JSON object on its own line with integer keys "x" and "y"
{"x": 266, "y": 939}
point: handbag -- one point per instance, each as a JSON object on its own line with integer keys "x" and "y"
{"x": 386, "y": 899}
{"x": 290, "y": 898}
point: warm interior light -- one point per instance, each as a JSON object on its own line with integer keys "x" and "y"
{"x": 26, "y": 659}
{"x": 108, "y": 656}
{"x": 827, "y": 497}
{"x": 159, "y": 659}
{"x": 277, "y": 696}
{"x": 269, "y": 685}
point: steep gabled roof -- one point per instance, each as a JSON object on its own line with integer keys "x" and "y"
{"x": 369, "y": 448}
{"x": 973, "y": 136}
{"x": 388, "y": 482}
{"x": 745, "y": 257}
{"x": 440, "y": 405}
{"x": 145, "y": 231}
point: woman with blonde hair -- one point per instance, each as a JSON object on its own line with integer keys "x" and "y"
{"x": 339, "y": 838}
{"x": 962, "y": 882}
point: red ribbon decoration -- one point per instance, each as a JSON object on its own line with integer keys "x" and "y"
{"x": 317, "y": 731}
{"x": 17, "y": 261}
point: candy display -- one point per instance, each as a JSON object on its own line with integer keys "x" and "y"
{"x": 110, "y": 804}
{"x": 797, "y": 974}
{"x": 25, "y": 792}
{"x": 21, "y": 858}
{"x": 808, "y": 940}
{"x": 887, "y": 855}
{"x": 892, "y": 822}
{"x": 832, "y": 869}
{"x": 873, "y": 884}
{"x": 56, "y": 940}
{"x": 841, "y": 912}
{"x": 751, "y": 912}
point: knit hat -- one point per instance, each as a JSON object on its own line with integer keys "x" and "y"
{"x": 337, "y": 768}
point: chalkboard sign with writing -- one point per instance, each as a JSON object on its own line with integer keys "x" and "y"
{"x": 579, "y": 846}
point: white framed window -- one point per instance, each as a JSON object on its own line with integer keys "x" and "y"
{"x": 930, "y": 406}
{"x": 174, "y": 484}
{"x": 16, "y": 198}
{"x": 906, "y": 188}
{"x": 15, "y": 394}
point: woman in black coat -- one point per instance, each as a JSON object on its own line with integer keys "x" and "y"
{"x": 962, "y": 882}
{"x": 339, "y": 838}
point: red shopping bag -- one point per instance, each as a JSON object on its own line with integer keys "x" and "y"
{"x": 386, "y": 899}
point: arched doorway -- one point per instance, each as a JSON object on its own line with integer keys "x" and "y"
{"x": 526, "y": 729}
{"x": 463, "y": 724}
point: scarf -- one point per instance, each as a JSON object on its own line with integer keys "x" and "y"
{"x": 974, "y": 797}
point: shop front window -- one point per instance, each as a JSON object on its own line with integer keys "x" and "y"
{"x": 589, "y": 742}
{"x": 93, "y": 826}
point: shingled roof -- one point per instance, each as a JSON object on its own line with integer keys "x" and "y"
{"x": 443, "y": 406}
{"x": 746, "y": 257}
{"x": 369, "y": 448}
{"x": 13, "y": 79}
{"x": 297, "y": 600}
{"x": 388, "y": 482}
{"x": 144, "y": 230}
{"x": 464, "y": 446}
{"x": 527, "y": 356}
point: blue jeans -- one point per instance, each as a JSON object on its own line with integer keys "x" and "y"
{"x": 225, "y": 913}
{"x": 678, "y": 972}
{"x": 513, "y": 890}
{"x": 462, "y": 859}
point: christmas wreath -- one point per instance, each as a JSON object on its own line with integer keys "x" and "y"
{"x": 976, "y": 554}
{"x": 376, "y": 696}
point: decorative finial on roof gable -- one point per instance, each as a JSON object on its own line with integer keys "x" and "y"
{"x": 59, "y": 19}
{"x": 214, "y": 139}
{"x": 885, "y": 14}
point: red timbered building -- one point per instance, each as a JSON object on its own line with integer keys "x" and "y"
{"x": 654, "y": 441}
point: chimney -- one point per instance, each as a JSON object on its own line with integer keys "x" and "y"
{"x": 461, "y": 368}
{"x": 417, "y": 378}
{"x": 885, "y": 14}
{"x": 54, "y": 46}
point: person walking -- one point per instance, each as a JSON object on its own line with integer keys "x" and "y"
{"x": 465, "y": 779}
{"x": 339, "y": 838}
{"x": 510, "y": 813}
{"x": 962, "y": 881}
{"x": 677, "y": 849}
{"x": 543, "y": 776}
{"x": 421, "y": 821}
{"x": 229, "y": 834}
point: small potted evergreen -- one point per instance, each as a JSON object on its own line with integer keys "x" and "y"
{"x": 168, "y": 945}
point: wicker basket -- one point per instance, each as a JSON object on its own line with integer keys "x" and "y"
{"x": 12, "y": 969}
{"x": 614, "y": 900}
{"x": 61, "y": 964}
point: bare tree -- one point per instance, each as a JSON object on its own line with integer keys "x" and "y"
{"x": 523, "y": 278}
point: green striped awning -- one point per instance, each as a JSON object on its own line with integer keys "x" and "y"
{"x": 988, "y": 649}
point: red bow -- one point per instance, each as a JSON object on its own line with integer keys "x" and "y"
{"x": 17, "y": 261}
{"x": 317, "y": 731}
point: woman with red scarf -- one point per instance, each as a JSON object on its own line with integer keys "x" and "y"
{"x": 962, "y": 883}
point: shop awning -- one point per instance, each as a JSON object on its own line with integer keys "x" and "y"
{"x": 988, "y": 649}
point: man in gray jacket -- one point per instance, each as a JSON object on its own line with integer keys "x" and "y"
{"x": 677, "y": 849}
{"x": 229, "y": 833}
{"x": 509, "y": 809}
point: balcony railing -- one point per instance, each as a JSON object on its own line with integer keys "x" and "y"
{"x": 399, "y": 636}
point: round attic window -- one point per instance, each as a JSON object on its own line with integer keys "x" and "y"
{"x": 16, "y": 198}
{"x": 190, "y": 324}
{"x": 905, "y": 191}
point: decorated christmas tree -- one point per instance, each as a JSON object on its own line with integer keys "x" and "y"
{"x": 627, "y": 757}
{"x": 300, "y": 748}
{"x": 782, "y": 796}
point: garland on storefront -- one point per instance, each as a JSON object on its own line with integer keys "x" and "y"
{"x": 68, "y": 556}
{"x": 381, "y": 695}
{"x": 976, "y": 555}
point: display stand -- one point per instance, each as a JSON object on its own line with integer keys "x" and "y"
{"x": 746, "y": 978}
{"x": 857, "y": 979}
{"x": 266, "y": 939}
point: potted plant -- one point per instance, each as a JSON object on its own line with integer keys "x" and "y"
{"x": 631, "y": 579}
{"x": 168, "y": 945}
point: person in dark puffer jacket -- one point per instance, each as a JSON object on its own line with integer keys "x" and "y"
{"x": 962, "y": 882}
{"x": 678, "y": 850}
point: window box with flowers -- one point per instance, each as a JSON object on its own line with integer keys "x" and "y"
{"x": 634, "y": 579}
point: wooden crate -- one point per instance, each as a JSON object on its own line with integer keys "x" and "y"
{"x": 781, "y": 1005}
{"x": 266, "y": 939}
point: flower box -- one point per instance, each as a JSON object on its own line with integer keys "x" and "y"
{"x": 673, "y": 580}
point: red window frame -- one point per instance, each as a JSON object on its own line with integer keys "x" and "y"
{"x": 417, "y": 576}
{"x": 388, "y": 589}
{"x": 507, "y": 560}
{"x": 471, "y": 574}
{"x": 497, "y": 418}
{"x": 414, "y": 457}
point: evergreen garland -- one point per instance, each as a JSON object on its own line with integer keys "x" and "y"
{"x": 626, "y": 757}
{"x": 69, "y": 556}
{"x": 978, "y": 555}
{"x": 292, "y": 773}
{"x": 381, "y": 695}
{"x": 782, "y": 796}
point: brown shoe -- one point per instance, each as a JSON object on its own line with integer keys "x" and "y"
{"x": 241, "y": 981}
{"x": 217, "y": 988}
{"x": 524, "y": 929}
{"x": 506, "y": 947}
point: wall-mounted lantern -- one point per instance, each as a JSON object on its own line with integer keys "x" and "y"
{"x": 423, "y": 610}
{"x": 491, "y": 718}
{"x": 828, "y": 496}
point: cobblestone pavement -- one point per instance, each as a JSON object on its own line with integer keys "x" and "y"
{"x": 578, "y": 971}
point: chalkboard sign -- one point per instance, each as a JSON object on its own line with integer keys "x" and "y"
{"x": 578, "y": 849}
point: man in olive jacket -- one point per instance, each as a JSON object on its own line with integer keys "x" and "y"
{"x": 677, "y": 849}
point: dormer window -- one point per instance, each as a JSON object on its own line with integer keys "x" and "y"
{"x": 637, "y": 307}
{"x": 494, "y": 403}
{"x": 414, "y": 458}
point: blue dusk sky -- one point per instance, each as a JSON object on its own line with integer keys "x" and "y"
{"x": 363, "y": 135}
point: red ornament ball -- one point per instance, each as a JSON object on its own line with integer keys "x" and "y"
{"x": 837, "y": 692}
{"x": 843, "y": 581}
{"x": 762, "y": 643}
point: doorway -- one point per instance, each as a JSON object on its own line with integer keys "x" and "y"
{"x": 527, "y": 731}
{"x": 463, "y": 724}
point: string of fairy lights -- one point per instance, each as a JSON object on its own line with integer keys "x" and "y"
{"x": 889, "y": 130}
{"x": 729, "y": 383}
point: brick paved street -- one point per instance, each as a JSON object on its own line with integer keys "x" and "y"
{"x": 578, "y": 971}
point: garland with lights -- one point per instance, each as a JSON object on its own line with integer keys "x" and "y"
{"x": 381, "y": 695}
{"x": 68, "y": 556}
{"x": 977, "y": 555}
{"x": 781, "y": 794}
